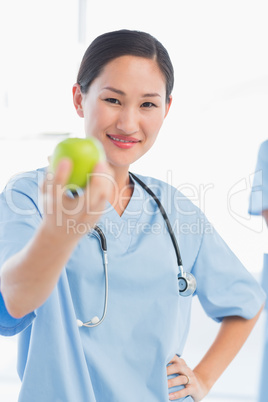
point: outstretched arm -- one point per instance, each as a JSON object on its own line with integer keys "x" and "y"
{"x": 28, "y": 277}
{"x": 231, "y": 337}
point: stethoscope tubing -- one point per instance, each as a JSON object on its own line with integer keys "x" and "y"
{"x": 167, "y": 221}
{"x": 186, "y": 280}
{"x": 97, "y": 232}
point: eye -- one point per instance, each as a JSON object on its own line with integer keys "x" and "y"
{"x": 112, "y": 100}
{"x": 148, "y": 104}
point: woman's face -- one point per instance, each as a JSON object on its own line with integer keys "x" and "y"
{"x": 124, "y": 108}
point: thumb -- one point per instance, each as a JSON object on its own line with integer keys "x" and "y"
{"x": 63, "y": 171}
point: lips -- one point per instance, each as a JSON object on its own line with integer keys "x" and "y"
{"x": 122, "y": 138}
{"x": 123, "y": 141}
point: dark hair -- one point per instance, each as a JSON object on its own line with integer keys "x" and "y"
{"x": 111, "y": 45}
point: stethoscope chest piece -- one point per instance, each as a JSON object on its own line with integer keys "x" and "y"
{"x": 186, "y": 284}
{"x": 186, "y": 281}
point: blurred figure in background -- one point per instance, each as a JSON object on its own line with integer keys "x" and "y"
{"x": 259, "y": 206}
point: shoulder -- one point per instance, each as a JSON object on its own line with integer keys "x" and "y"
{"x": 26, "y": 182}
{"x": 21, "y": 194}
{"x": 263, "y": 151}
{"x": 264, "y": 146}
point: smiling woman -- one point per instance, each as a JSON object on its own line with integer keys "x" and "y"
{"x": 127, "y": 114}
{"x": 50, "y": 275}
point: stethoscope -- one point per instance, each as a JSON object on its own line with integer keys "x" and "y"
{"x": 186, "y": 281}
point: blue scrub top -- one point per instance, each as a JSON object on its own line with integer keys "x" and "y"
{"x": 124, "y": 359}
{"x": 258, "y": 201}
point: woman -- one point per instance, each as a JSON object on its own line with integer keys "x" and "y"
{"x": 259, "y": 206}
{"x": 52, "y": 270}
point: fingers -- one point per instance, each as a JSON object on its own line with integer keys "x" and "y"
{"x": 63, "y": 172}
{"x": 59, "y": 178}
{"x": 99, "y": 186}
{"x": 182, "y": 375}
{"x": 177, "y": 365}
{"x": 63, "y": 210}
{"x": 175, "y": 359}
{"x": 179, "y": 394}
{"x": 180, "y": 379}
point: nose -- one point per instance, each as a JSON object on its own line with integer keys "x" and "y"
{"x": 128, "y": 121}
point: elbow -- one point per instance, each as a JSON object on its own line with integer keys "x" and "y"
{"x": 257, "y": 315}
{"x": 13, "y": 308}
{"x": 14, "y": 311}
{"x": 261, "y": 309}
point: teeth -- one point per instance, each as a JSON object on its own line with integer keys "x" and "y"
{"x": 117, "y": 139}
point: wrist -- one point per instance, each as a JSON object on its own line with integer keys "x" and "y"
{"x": 58, "y": 236}
{"x": 206, "y": 380}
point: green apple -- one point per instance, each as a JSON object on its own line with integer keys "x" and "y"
{"x": 84, "y": 153}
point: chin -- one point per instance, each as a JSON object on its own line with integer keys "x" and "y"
{"x": 122, "y": 160}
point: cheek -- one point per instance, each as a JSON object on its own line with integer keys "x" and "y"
{"x": 95, "y": 121}
{"x": 153, "y": 126}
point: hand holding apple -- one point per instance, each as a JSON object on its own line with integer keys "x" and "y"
{"x": 67, "y": 218}
{"x": 84, "y": 153}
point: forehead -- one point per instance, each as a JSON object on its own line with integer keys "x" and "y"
{"x": 133, "y": 71}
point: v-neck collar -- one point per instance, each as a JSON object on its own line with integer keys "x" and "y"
{"x": 133, "y": 207}
{"x": 118, "y": 227}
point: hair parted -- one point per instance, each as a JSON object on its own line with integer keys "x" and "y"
{"x": 111, "y": 45}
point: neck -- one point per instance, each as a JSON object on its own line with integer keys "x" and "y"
{"x": 121, "y": 177}
{"x": 122, "y": 190}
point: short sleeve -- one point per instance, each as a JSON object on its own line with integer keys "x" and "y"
{"x": 224, "y": 286}
{"x": 19, "y": 219}
{"x": 258, "y": 201}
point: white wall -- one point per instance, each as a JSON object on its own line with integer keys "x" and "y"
{"x": 208, "y": 145}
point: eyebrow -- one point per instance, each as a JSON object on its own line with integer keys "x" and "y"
{"x": 118, "y": 91}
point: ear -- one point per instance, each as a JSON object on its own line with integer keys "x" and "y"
{"x": 168, "y": 105}
{"x": 77, "y": 100}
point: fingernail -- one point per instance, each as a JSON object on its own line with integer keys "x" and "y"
{"x": 172, "y": 396}
{"x": 65, "y": 162}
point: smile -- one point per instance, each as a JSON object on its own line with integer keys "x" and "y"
{"x": 121, "y": 140}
